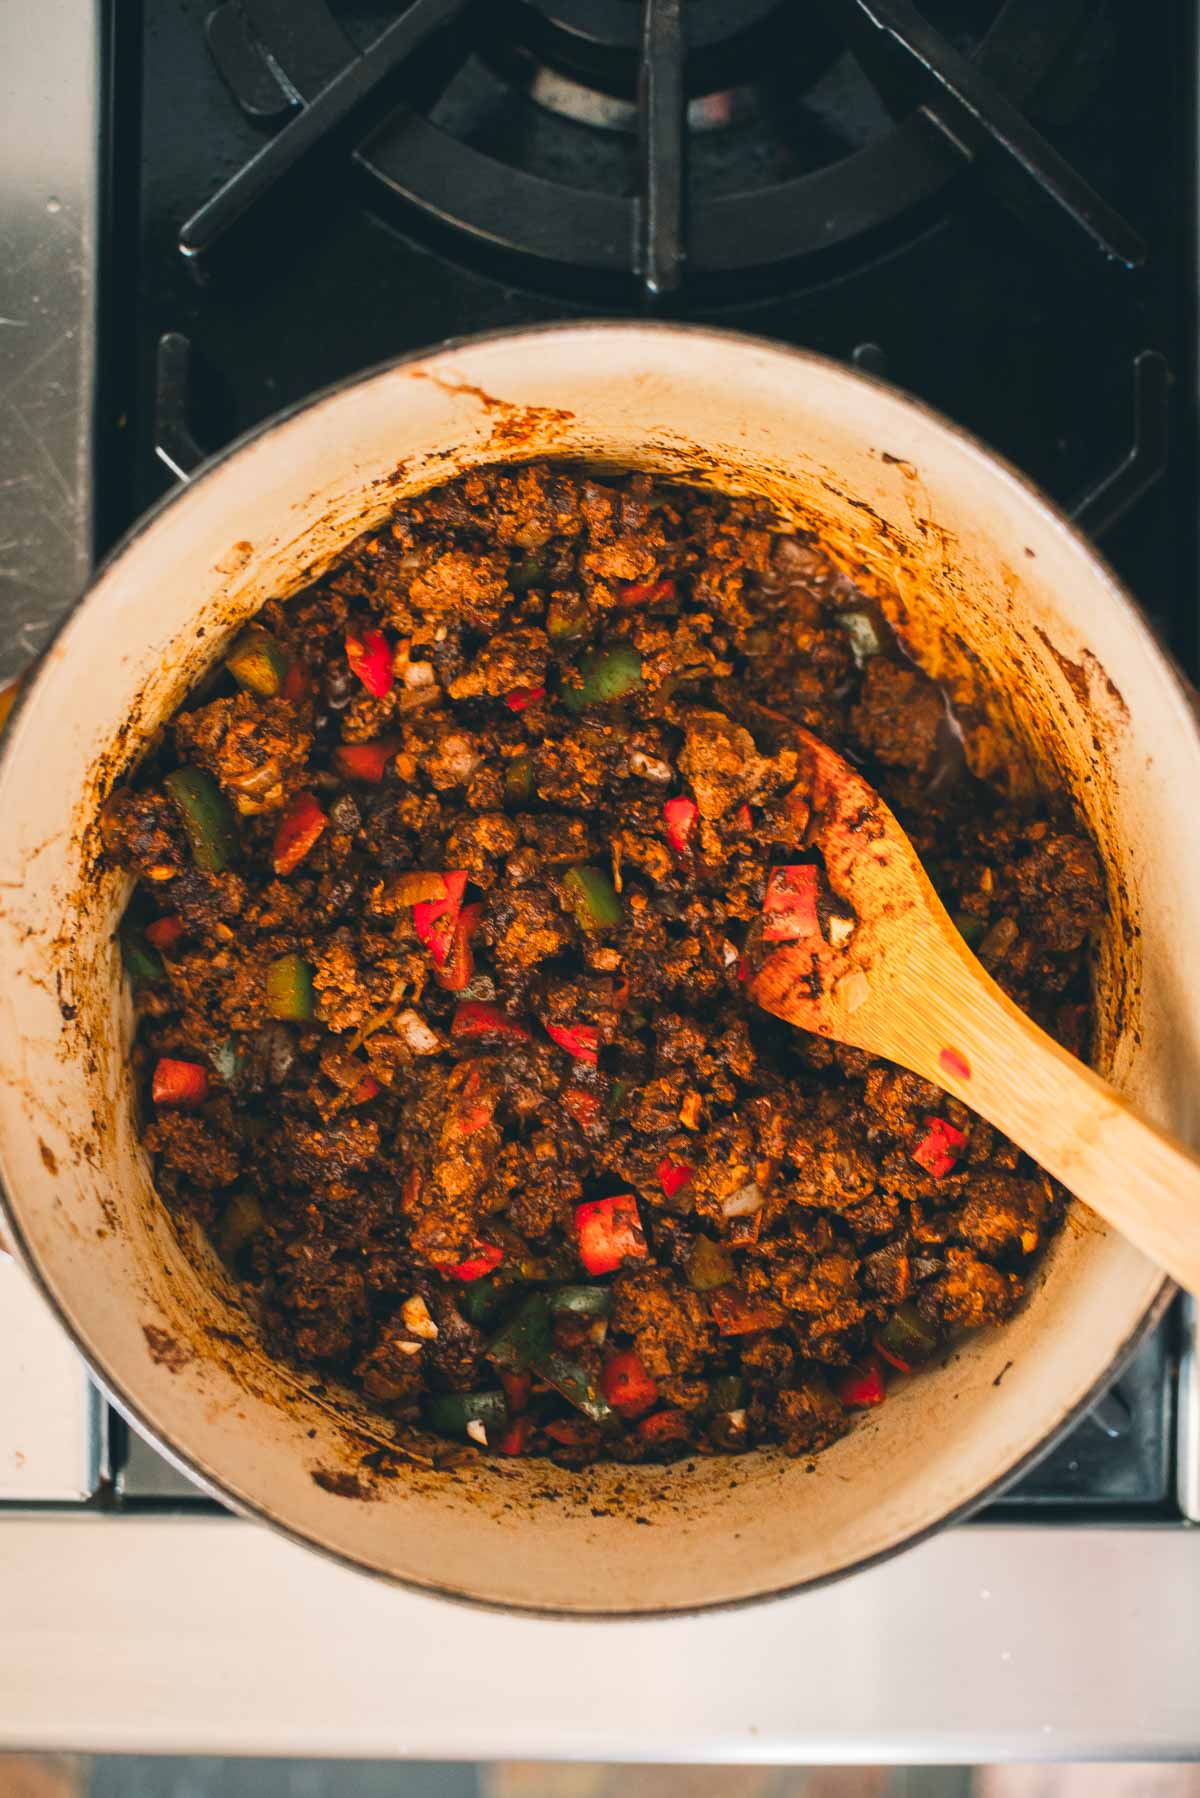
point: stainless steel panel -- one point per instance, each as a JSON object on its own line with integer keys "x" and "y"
{"x": 49, "y": 1413}
{"x": 48, "y": 134}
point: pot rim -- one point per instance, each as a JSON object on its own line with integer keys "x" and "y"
{"x": 150, "y": 519}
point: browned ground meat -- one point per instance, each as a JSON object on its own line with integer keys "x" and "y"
{"x": 408, "y": 1146}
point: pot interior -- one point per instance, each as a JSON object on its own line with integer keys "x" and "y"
{"x": 992, "y": 592}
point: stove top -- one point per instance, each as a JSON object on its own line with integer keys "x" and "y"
{"x": 989, "y": 203}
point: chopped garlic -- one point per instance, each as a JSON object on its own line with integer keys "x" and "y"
{"x": 649, "y": 766}
{"x": 415, "y": 1315}
{"x": 853, "y": 990}
{"x": 744, "y": 1202}
{"x": 416, "y": 1035}
{"x": 840, "y": 931}
{"x": 728, "y": 953}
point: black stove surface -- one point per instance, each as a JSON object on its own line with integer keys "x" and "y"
{"x": 782, "y": 167}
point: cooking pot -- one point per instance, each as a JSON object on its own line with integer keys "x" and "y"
{"x": 1057, "y": 680}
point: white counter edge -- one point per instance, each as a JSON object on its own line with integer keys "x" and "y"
{"x": 178, "y": 1635}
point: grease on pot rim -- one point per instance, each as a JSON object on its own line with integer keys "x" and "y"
{"x": 445, "y": 894}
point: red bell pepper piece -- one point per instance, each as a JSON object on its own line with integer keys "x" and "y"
{"x": 178, "y": 1082}
{"x": 681, "y": 814}
{"x": 790, "y": 906}
{"x": 737, "y": 1315}
{"x": 516, "y": 1438}
{"x": 370, "y": 656}
{"x": 297, "y": 682}
{"x": 639, "y": 593}
{"x": 673, "y": 1176}
{"x": 863, "y": 1385}
{"x": 518, "y": 1389}
{"x": 664, "y": 1427}
{"x": 567, "y": 1431}
{"x": 364, "y": 761}
{"x": 475, "y": 1018}
{"x": 583, "y": 1105}
{"x": 627, "y": 1385}
{"x": 938, "y": 1147}
{"x": 164, "y": 932}
{"x": 434, "y": 920}
{"x": 580, "y": 1040}
{"x": 483, "y": 1258}
{"x": 460, "y": 963}
{"x": 610, "y": 1231}
{"x": 474, "y": 1108}
{"x": 520, "y": 697}
{"x": 298, "y": 829}
{"x": 367, "y": 1088}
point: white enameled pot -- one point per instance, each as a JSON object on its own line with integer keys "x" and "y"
{"x": 992, "y": 589}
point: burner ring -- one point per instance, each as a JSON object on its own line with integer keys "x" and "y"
{"x": 423, "y": 172}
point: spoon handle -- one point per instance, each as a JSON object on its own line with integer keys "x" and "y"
{"x": 961, "y": 1031}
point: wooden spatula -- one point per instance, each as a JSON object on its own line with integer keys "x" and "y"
{"x": 906, "y": 986}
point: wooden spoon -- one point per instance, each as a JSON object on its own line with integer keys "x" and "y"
{"x": 906, "y": 986}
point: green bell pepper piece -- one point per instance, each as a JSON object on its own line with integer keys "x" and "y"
{"x": 225, "y": 1059}
{"x": 584, "y": 1301}
{"x": 241, "y": 1220}
{"x": 576, "y": 1386}
{"x": 907, "y": 1336}
{"x": 258, "y": 663}
{"x": 480, "y": 1299}
{"x": 206, "y": 817}
{"x": 530, "y": 571}
{"x": 726, "y": 1392}
{"x": 451, "y": 1412}
{"x": 603, "y": 675}
{"x": 709, "y": 1266}
{"x": 290, "y": 990}
{"x": 592, "y": 898}
{"x": 567, "y": 618}
{"x": 142, "y": 962}
{"x": 524, "y": 1340}
{"x": 971, "y": 929}
{"x": 518, "y": 781}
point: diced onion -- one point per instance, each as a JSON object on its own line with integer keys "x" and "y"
{"x": 416, "y": 1035}
{"x": 477, "y": 1432}
{"x": 744, "y": 1202}
{"x": 864, "y": 638}
{"x": 416, "y": 1319}
{"x": 840, "y": 930}
{"x": 649, "y": 766}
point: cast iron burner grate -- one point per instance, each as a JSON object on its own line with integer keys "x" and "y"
{"x": 666, "y": 145}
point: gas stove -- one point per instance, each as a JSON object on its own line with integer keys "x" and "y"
{"x": 990, "y": 204}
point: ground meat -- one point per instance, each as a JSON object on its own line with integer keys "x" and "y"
{"x": 191, "y": 1149}
{"x": 666, "y": 1320}
{"x": 808, "y": 1418}
{"x": 1002, "y": 1214}
{"x": 721, "y": 763}
{"x": 972, "y": 1292}
{"x": 899, "y": 715}
{"x": 142, "y": 832}
{"x": 256, "y": 748}
{"x": 1059, "y": 882}
{"x": 484, "y": 1043}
